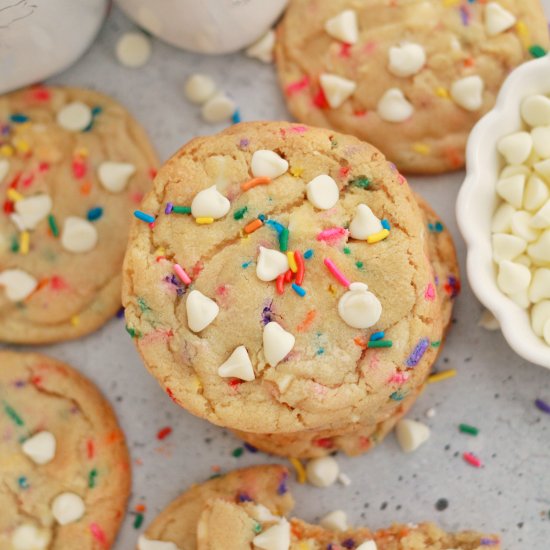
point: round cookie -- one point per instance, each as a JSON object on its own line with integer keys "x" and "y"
{"x": 64, "y": 465}
{"x": 257, "y": 356}
{"x": 410, "y": 76}
{"x": 177, "y": 523}
{"x": 73, "y": 165}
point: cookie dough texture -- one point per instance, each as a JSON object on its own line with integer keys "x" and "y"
{"x": 76, "y": 292}
{"x": 91, "y": 459}
{"x": 331, "y": 380}
{"x": 223, "y": 513}
{"x": 456, "y": 44}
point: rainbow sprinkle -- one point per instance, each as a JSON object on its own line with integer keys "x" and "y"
{"x": 440, "y": 376}
{"x": 204, "y": 221}
{"x": 283, "y": 239}
{"x": 472, "y": 460}
{"x": 180, "y": 272}
{"x": 147, "y": 218}
{"x": 299, "y": 290}
{"x": 336, "y": 273}
{"x": 300, "y": 470}
{"x": 467, "y": 429}
{"x": 377, "y": 237}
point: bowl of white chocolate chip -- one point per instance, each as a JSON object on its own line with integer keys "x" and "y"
{"x": 503, "y": 210}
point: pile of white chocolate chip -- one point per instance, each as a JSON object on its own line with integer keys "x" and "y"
{"x": 521, "y": 223}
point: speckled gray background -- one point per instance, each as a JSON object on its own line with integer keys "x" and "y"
{"x": 494, "y": 389}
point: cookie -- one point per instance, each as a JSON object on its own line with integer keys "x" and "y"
{"x": 64, "y": 465}
{"x": 411, "y": 77}
{"x": 73, "y": 166}
{"x": 351, "y": 333}
{"x": 227, "y": 513}
{"x": 177, "y": 523}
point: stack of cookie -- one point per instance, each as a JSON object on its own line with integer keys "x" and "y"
{"x": 290, "y": 287}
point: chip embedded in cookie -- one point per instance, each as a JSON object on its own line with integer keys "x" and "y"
{"x": 73, "y": 166}
{"x": 290, "y": 287}
{"x": 64, "y": 465}
{"x": 411, "y": 77}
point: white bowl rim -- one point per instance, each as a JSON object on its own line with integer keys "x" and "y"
{"x": 514, "y": 320}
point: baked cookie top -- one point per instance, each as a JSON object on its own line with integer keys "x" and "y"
{"x": 177, "y": 523}
{"x": 64, "y": 466}
{"x": 73, "y": 165}
{"x": 289, "y": 286}
{"x": 410, "y": 76}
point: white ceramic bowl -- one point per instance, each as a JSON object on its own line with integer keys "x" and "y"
{"x": 477, "y": 201}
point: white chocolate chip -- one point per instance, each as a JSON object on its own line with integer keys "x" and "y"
{"x": 262, "y": 513}
{"x": 364, "y": 224}
{"x": 267, "y": 163}
{"x": 358, "y": 307}
{"x": 199, "y": 88}
{"x": 201, "y": 310}
{"x": 75, "y": 116}
{"x": 335, "y": 521}
{"x": 507, "y": 247}
{"x": 543, "y": 168}
{"x": 40, "y": 448}
{"x": 210, "y": 203}
{"x": 114, "y": 176}
{"x": 468, "y": 92}
{"x": 238, "y": 365}
{"x": 343, "y": 27}
{"x": 497, "y": 19}
{"x": 68, "y": 508}
{"x": 521, "y": 298}
{"x": 79, "y": 235}
{"x": 540, "y": 250}
{"x": 513, "y": 277}
{"x": 535, "y": 110}
{"x": 32, "y": 210}
{"x": 276, "y": 537}
{"x": 18, "y": 284}
{"x": 263, "y": 48}
{"x": 522, "y": 226}
{"x": 218, "y": 108}
{"x": 541, "y": 219}
{"x": 514, "y": 170}
{"x": 322, "y": 472}
{"x": 148, "y": 544}
{"x": 540, "y": 285}
{"x": 367, "y": 545}
{"x": 546, "y": 332}
{"x": 394, "y": 107}
{"x": 516, "y": 147}
{"x": 133, "y": 49}
{"x": 4, "y": 168}
{"x": 271, "y": 263}
{"x": 278, "y": 343}
{"x": 502, "y": 220}
{"x": 541, "y": 141}
{"x": 406, "y": 59}
{"x": 411, "y": 434}
{"x": 511, "y": 189}
{"x": 29, "y": 537}
{"x": 523, "y": 259}
{"x": 536, "y": 193}
{"x": 344, "y": 479}
{"x": 336, "y": 89}
{"x": 487, "y": 321}
{"x": 540, "y": 315}
{"x": 323, "y": 192}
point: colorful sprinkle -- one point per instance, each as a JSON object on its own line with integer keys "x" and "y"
{"x": 308, "y": 254}
{"x": 377, "y": 336}
{"x": 472, "y": 460}
{"x": 467, "y": 429}
{"x": 336, "y": 273}
{"x": 204, "y": 221}
{"x": 263, "y": 180}
{"x": 238, "y": 452}
{"x": 421, "y": 148}
{"x": 279, "y": 227}
{"x": 397, "y": 396}
{"x": 24, "y": 242}
{"x": 92, "y": 478}
{"x": 163, "y": 433}
{"x": 180, "y": 272}
{"x": 300, "y": 268}
{"x": 436, "y": 227}
{"x": 280, "y": 284}
{"x": 377, "y": 237}
{"x": 23, "y": 482}
{"x": 253, "y": 226}
{"x": 147, "y": 218}
{"x": 239, "y": 214}
{"x": 440, "y": 376}
{"x": 537, "y": 51}
{"x": 299, "y": 290}
{"x": 98, "y": 534}
{"x": 297, "y": 86}
{"x": 138, "y": 520}
{"x": 386, "y": 224}
{"x": 379, "y": 344}
{"x": 291, "y": 261}
{"x": 332, "y": 234}
{"x": 362, "y": 181}
{"x": 18, "y": 118}
{"x": 299, "y": 469}
{"x": 418, "y": 352}
{"x": 10, "y": 411}
{"x": 94, "y": 213}
{"x": 181, "y": 209}
{"x": 236, "y": 118}
{"x": 53, "y": 225}
{"x": 283, "y": 239}
{"x": 542, "y": 406}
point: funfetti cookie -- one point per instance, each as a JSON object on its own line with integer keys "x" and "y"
{"x": 73, "y": 166}
{"x": 64, "y": 466}
{"x": 246, "y": 509}
{"x": 177, "y": 523}
{"x": 411, "y": 77}
{"x": 283, "y": 281}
